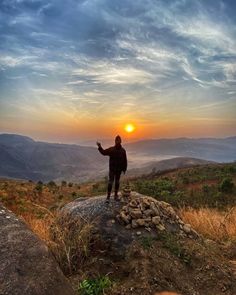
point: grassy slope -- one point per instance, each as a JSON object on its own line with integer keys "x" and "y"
{"x": 195, "y": 192}
{"x": 199, "y": 188}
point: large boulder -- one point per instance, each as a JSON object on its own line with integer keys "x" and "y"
{"x": 120, "y": 223}
{"x": 112, "y": 235}
{"x": 26, "y": 265}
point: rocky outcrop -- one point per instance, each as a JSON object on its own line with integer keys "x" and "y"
{"x": 93, "y": 210}
{"x": 120, "y": 223}
{"x": 26, "y": 265}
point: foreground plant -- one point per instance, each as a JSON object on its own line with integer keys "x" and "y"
{"x": 94, "y": 286}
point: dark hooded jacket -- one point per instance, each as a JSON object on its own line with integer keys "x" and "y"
{"x": 118, "y": 159}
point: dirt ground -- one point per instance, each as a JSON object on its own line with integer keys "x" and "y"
{"x": 153, "y": 265}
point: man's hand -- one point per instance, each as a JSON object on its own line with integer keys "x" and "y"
{"x": 98, "y": 144}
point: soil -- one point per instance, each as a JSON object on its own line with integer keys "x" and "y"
{"x": 154, "y": 262}
{"x": 146, "y": 270}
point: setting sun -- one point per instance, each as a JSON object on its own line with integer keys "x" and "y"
{"x": 129, "y": 128}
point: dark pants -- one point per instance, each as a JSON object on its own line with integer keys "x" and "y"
{"x": 113, "y": 175}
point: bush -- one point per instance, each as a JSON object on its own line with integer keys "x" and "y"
{"x": 226, "y": 185}
{"x": 74, "y": 195}
{"x": 39, "y": 187}
{"x": 63, "y": 183}
{"x": 99, "y": 187}
{"x": 52, "y": 183}
{"x": 205, "y": 188}
{"x": 155, "y": 187}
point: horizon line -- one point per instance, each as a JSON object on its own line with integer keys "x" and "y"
{"x": 108, "y": 139}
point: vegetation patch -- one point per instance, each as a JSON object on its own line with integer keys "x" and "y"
{"x": 205, "y": 186}
{"x": 170, "y": 242}
{"x": 147, "y": 242}
{"x": 95, "y": 286}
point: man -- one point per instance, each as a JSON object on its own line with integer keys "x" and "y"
{"x": 117, "y": 164}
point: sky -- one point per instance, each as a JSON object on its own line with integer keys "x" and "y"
{"x": 81, "y": 69}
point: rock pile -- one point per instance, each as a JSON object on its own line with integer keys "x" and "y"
{"x": 146, "y": 212}
{"x": 126, "y": 192}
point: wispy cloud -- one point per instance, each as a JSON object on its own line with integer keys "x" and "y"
{"x": 125, "y": 58}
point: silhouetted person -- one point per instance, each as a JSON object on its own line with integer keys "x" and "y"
{"x": 117, "y": 164}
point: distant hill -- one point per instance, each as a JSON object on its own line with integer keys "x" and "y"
{"x": 168, "y": 164}
{"x": 213, "y": 149}
{"x": 22, "y": 157}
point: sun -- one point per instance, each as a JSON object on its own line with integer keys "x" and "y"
{"x": 129, "y": 128}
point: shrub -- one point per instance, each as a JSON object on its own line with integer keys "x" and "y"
{"x": 226, "y": 185}
{"x": 155, "y": 187}
{"x": 39, "y": 187}
{"x": 52, "y": 183}
{"x": 185, "y": 180}
{"x": 73, "y": 194}
{"x": 99, "y": 187}
{"x": 205, "y": 188}
{"x": 63, "y": 183}
{"x": 61, "y": 197}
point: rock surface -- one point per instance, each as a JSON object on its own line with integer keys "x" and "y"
{"x": 94, "y": 210}
{"x": 26, "y": 265}
{"x": 117, "y": 223}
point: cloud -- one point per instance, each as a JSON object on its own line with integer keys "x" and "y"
{"x": 157, "y": 55}
{"x": 110, "y": 73}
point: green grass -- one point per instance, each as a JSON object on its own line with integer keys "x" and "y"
{"x": 146, "y": 242}
{"x": 95, "y": 286}
{"x": 204, "y": 186}
{"x": 171, "y": 243}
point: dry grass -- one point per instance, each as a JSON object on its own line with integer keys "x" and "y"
{"x": 211, "y": 223}
{"x": 40, "y": 226}
{"x": 69, "y": 241}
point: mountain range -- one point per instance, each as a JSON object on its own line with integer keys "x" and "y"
{"x": 22, "y": 157}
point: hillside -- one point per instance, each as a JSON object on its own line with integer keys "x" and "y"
{"x": 168, "y": 164}
{"x": 203, "y": 196}
{"x": 22, "y": 157}
{"x": 212, "y": 149}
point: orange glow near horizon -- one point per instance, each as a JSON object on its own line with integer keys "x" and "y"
{"x": 52, "y": 128}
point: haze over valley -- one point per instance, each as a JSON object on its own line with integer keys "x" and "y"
{"x": 22, "y": 157}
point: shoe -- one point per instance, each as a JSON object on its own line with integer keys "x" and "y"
{"x": 107, "y": 201}
{"x": 116, "y": 198}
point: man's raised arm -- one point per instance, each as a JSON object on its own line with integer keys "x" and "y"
{"x": 105, "y": 152}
